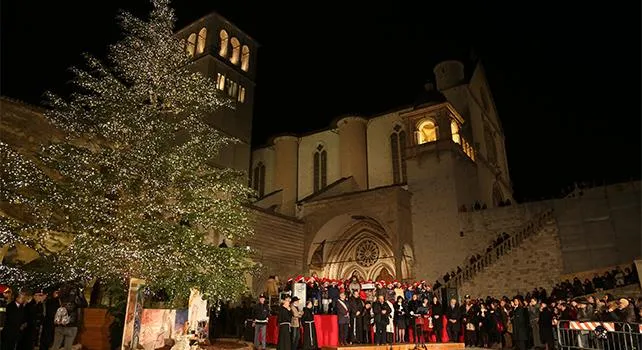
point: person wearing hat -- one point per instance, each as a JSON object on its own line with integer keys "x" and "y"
{"x": 261, "y": 313}
{"x": 297, "y": 313}
{"x": 284, "y": 318}
{"x": 521, "y": 323}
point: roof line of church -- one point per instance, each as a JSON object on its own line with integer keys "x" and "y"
{"x": 401, "y": 109}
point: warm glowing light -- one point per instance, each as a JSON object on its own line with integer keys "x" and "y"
{"x": 245, "y": 58}
{"x": 241, "y": 94}
{"x": 220, "y": 81}
{"x": 224, "y": 43}
{"x": 142, "y": 198}
{"x": 454, "y": 130}
{"x": 236, "y": 50}
{"x": 191, "y": 44}
{"x": 202, "y": 36}
{"x": 427, "y": 131}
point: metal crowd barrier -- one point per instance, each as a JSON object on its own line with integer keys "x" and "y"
{"x": 573, "y": 335}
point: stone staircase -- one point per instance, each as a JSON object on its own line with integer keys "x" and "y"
{"x": 515, "y": 240}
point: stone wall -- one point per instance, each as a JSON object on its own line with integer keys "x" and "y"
{"x": 438, "y": 247}
{"x": 600, "y": 226}
{"x": 537, "y": 262}
{"x": 278, "y": 241}
{"x": 480, "y": 228}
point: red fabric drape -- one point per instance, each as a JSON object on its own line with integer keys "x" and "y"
{"x": 327, "y": 327}
{"x": 327, "y": 330}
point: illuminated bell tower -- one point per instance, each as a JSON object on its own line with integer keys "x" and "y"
{"x": 223, "y": 52}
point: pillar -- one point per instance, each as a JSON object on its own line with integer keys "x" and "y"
{"x": 285, "y": 177}
{"x": 353, "y": 147}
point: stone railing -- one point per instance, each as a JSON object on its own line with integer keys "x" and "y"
{"x": 513, "y": 241}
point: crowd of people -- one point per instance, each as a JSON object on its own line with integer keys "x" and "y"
{"x": 40, "y": 320}
{"x": 411, "y": 312}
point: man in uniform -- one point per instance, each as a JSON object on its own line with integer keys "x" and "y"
{"x": 261, "y": 314}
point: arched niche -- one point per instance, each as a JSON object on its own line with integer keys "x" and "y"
{"x": 336, "y": 242}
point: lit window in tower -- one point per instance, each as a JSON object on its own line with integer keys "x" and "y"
{"x": 245, "y": 58}
{"x": 454, "y": 130}
{"x": 224, "y": 43}
{"x": 202, "y": 35}
{"x": 191, "y": 44}
{"x": 220, "y": 81}
{"x": 241, "y": 97}
{"x": 236, "y": 50}
{"x": 427, "y": 131}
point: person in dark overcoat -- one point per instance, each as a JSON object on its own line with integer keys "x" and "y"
{"x": 521, "y": 323}
{"x": 356, "y": 307}
{"x": 437, "y": 317}
{"x": 382, "y": 314}
{"x": 546, "y": 326}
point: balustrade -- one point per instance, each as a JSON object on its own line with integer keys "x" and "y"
{"x": 470, "y": 270}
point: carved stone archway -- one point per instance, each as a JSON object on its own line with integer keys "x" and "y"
{"x": 384, "y": 275}
{"x": 363, "y": 247}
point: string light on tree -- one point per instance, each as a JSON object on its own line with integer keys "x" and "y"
{"x": 133, "y": 185}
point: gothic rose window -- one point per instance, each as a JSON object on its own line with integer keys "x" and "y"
{"x": 367, "y": 253}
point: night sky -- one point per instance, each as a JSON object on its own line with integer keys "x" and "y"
{"x": 566, "y": 81}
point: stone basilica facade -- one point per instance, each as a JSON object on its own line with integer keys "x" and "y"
{"x": 389, "y": 196}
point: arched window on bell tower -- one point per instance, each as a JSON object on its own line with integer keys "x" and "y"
{"x": 320, "y": 168}
{"x": 224, "y": 42}
{"x": 202, "y": 37}
{"x": 427, "y": 131}
{"x": 191, "y": 45}
{"x": 455, "y": 131}
{"x": 397, "y": 147}
{"x": 258, "y": 179}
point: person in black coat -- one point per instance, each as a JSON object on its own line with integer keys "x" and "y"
{"x": 437, "y": 312}
{"x": 356, "y": 307}
{"x": 453, "y": 314}
{"x": 546, "y": 326}
{"x": 15, "y": 324}
{"x": 382, "y": 314}
{"x": 521, "y": 323}
{"x": 50, "y": 305}
{"x": 309, "y": 329}
{"x": 367, "y": 320}
{"x": 401, "y": 319}
{"x": 34, "y": 311}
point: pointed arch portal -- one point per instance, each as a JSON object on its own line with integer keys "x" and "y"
{"x": 349, "y": 245}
